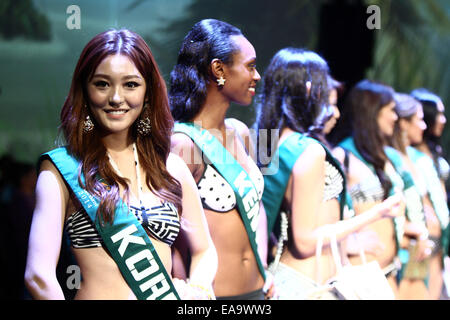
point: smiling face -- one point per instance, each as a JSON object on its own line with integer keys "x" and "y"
{"x": 242, "y": 76}
{"x": 414, "y": 127}
{"x": 386, "y": 119}
{"x": 440, "y": 120}
{"x": 116, "y": 94}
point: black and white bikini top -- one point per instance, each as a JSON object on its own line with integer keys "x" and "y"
{"x": 217, "y": 194}
{"x": 334, "y": 182}
{"x": 160, "y": 222}
{"x": 370, "y": 189}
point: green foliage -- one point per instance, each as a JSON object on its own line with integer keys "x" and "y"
{"x": 412, "y": 48}
{"x": 20, "y": 18}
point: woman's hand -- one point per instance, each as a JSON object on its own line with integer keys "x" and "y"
{"x": 192, "y": 291}
{"x": 269, "y": 289}
{"x": 392, "y": 207}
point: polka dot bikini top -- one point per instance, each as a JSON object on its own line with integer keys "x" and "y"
{"x": 218, "y": 195}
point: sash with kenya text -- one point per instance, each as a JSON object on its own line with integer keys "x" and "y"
{"x": 234, "y": 174}
{"x": 125, "y": 239}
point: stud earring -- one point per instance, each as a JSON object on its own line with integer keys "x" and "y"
{"x": 144, "y": 127}
{"x": 308, "y": 88}
{"x": 221, "y": 81}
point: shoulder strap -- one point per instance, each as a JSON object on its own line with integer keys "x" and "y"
{"x": 349, "y": 144}
{"x": 125, "y": 239}
{"x": 236, "y": 176}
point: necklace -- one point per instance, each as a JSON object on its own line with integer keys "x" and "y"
{"x": 138, "y": 170}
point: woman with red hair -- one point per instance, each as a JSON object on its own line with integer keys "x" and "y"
{"x": 115, "y": 188}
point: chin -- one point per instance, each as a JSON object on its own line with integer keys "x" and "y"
{"x": 243, "y": 103}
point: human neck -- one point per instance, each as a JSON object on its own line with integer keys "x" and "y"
{"x": 117, "y": 143}
{"x": 424, "y": 148}
{"x": 213, "y": 112}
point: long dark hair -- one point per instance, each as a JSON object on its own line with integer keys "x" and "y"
{"x": 365, "y": 101}
{"x": 285, "y": 100}
{"x": 430, "y": 103}
{"x": 88, "y": 147}
{"x": 207, "y": 40}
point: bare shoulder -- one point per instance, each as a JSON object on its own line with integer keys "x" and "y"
{"x": 312, "y": 158}
{"x": 47, "y": 166}
{"x": 188, "y": 151}
{"x": 174, "y": 161}
{"x": 50, "y": 181}
{"x": 180, "y": 141}
{"x": 177, "y": 167}
{"x": 339, "y": 154}
{"x": 240, "y": 127}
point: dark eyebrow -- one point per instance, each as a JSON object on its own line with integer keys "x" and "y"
{"x": 251, "y": 60}
{"x": 101, "y": 75}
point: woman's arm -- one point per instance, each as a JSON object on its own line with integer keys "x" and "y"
{"x": 195, "y": 230}
{"x": 307, "y": 192}
{"x": 46, "y": 234}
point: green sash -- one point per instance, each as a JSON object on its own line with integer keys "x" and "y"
{"x": 231, "y": 170}
{"x": 125, "y": 239}
{"x": 282, "y": 163}
{"x": 433, "y": 185}
{"x": 414, "y": 207}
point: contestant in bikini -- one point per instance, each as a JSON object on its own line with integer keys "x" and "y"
{"x": 305, "y": 193}
{"x": 409, "y": 130}
{"x": 216, "y": 66}
{"x": 430, "y": 146}
{"x": 116, "y": 189}
{"x": 376, "y": 171}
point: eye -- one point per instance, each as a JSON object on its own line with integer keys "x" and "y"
{"x": 132, "y": 84}
{"x": 101, "y": 84}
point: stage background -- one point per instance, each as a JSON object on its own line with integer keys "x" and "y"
{"x": 38, "y": 52}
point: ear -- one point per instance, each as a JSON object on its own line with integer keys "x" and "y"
{"x": 217, "y": 68}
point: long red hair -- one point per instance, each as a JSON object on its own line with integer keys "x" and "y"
{"x": 153, "y": 150}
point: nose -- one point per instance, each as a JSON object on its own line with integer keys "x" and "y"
{"x": 337, "y": 114}
{"x": 116, "y": 97}
{"x": 394, "y": 116}
{"x": 256, "y": 76}
{"x": 423, "y": 125}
